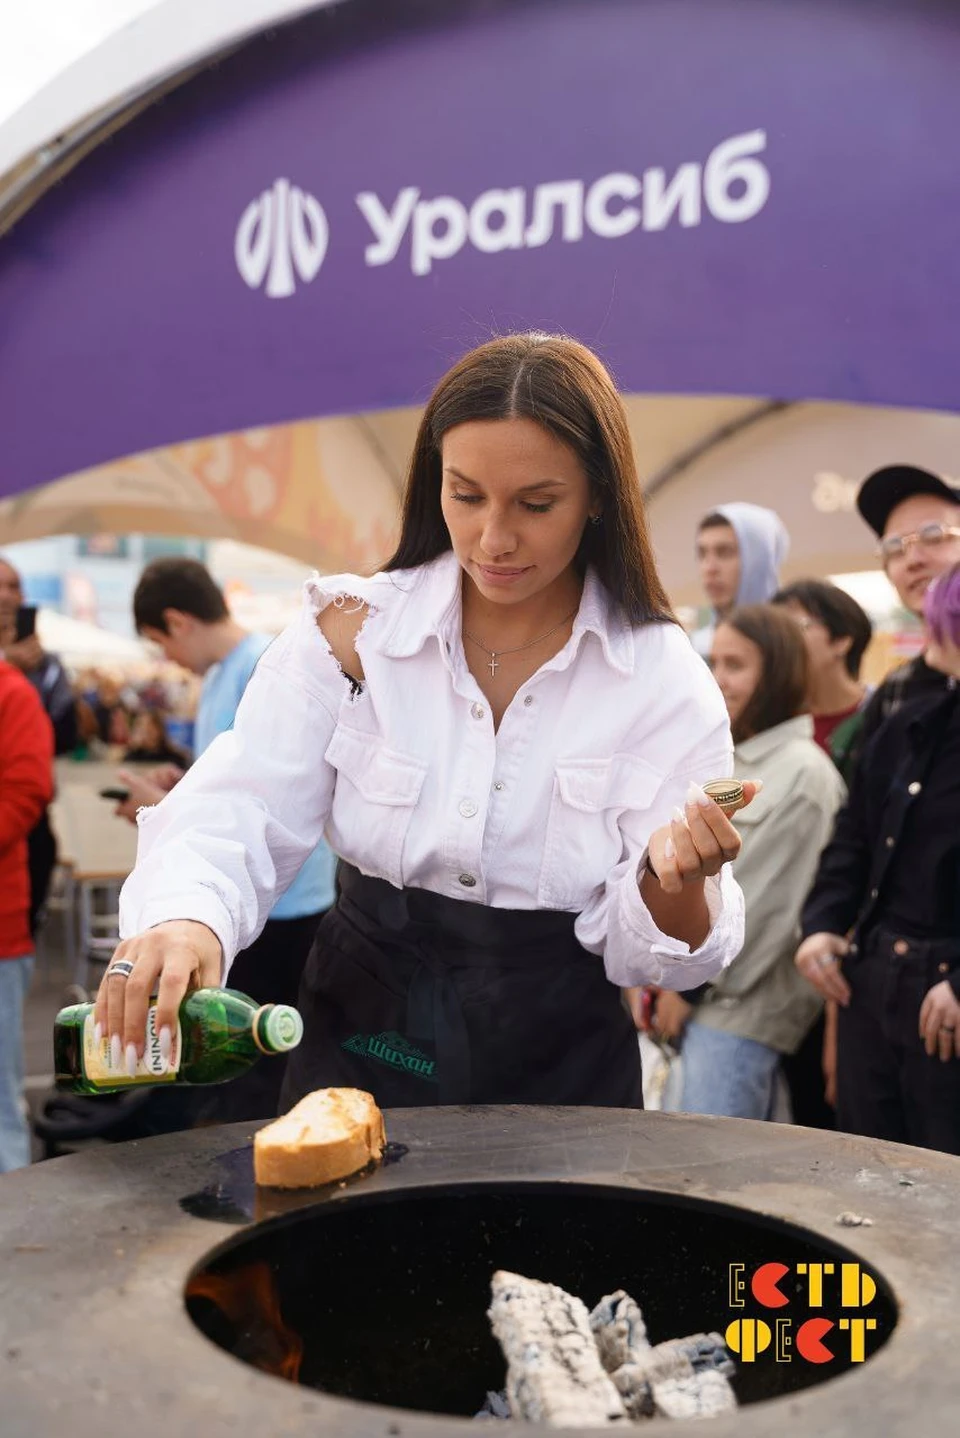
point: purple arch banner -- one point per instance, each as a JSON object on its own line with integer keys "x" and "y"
{"x": 724, "y": 196}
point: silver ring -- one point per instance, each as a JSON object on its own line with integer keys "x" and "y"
{"x": 123, "y": 968}
{"x": 825, "y": 961}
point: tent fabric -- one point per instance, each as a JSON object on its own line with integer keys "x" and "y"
{"x": 327, "y": 492}
{"x": 62, "y": 60}
{"x": 78, "y": 643}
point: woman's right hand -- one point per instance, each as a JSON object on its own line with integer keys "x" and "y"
{"x": 167, "y": 960}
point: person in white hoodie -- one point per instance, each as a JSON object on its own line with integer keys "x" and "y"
{"x": 740, "y": 548}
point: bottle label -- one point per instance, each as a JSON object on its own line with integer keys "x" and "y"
{"x": 99, "y": 1070}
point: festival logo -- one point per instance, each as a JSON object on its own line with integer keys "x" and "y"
{"x": 811, "y": 1313}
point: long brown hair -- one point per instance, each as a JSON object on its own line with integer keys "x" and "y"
{"x": 781, "y": 691}
{"x": 562, "y": 386}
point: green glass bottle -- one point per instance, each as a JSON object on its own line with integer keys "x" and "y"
{"x": 220, "y": 1033}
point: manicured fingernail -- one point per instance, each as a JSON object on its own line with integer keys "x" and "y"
{"x": 165, "y": 1043}
{"x": 116, "y": 1051}
{"x": 680, "y": 816}
{"x": 758, "y": 784}
{"x": 695, "y": 795}
{"x": 669, "y": 849}
{"x": 131, "y": 1060}
{"x": 98, "y": 1034}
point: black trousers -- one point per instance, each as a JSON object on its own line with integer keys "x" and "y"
{"x": 424, "y": 999}
{"x": 887, "y": 1085}
{"x": 803, "y": 1072}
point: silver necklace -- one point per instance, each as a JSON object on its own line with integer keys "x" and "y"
{"x": 495, "y": 653}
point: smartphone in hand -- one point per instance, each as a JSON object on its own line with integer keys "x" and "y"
{"x": 120, "y": 796}
{"x": 26, "y": 621}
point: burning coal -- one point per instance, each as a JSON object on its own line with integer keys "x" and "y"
{"x": 247, "y": 1300}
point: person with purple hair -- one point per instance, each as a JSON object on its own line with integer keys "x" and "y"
{"x": 882, "y": 923}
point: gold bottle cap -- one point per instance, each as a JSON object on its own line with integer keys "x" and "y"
{"x": 726, "y": 793}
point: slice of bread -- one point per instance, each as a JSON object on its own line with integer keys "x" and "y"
{"x": 329, "y": 1134}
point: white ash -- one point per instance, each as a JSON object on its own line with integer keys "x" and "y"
{"x": 554, "y": 1378}
{"x": 682, "y": 1378}
{"x": 554, "y": 1373}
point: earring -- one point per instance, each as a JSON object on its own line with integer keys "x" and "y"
{"x": 596, "y": 519}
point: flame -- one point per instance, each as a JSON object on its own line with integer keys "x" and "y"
{"x": 247, "y": 1297}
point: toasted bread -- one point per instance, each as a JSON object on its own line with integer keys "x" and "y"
{"x": 326, "y": 1136}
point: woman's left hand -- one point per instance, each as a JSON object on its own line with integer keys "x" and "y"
{"x": 697, "y": 842}
{"x": 940, "y": 1022}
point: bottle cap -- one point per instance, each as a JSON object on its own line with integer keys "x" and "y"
{"x": 727, "y": 794}
{"x": 277, "y": 1028}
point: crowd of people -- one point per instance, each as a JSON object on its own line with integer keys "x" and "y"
{"x": 845, "y": 993}
{"x": 816, "y": 976}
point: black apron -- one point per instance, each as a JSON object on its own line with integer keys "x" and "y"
{"x": 422, "y": 999}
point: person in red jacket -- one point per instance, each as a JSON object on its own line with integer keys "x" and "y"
{"x": 26, "y": 788}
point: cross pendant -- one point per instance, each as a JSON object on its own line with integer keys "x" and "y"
{"x": 494, "y": 666}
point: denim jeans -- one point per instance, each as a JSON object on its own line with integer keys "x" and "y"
{"x": 726, "y": 1075}
{"x": 14, "y": 1131}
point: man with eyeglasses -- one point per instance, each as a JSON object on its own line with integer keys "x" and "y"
{"x": 916, "y": 517}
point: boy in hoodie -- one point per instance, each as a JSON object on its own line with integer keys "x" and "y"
{"x": 740, "y": 548}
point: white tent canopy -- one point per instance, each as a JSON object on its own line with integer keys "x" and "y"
{"x": 62, "y": 61}
{"x": 78, "y": 643}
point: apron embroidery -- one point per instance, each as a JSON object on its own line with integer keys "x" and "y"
{"x": 395, "y": 1051}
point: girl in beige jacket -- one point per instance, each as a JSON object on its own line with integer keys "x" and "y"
{"x": 737, "y": 1027}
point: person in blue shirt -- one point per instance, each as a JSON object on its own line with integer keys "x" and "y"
{"x": 178, "y": 606}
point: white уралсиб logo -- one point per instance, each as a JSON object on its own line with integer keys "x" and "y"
{"x": 282, "y": 231}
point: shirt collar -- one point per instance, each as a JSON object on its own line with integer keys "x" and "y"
{"x": 433, "y": 608}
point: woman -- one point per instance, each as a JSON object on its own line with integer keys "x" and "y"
{"x": 836, "y": 632}
{"x": 493, "y": 733}
{"x": 887, "y": 903}
{"x": 757, "y": 1010}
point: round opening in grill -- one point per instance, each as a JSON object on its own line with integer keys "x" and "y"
{"x": 382, "y": 1297}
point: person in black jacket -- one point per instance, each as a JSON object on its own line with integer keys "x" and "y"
{"x": 49, "y": 678}
{"x": 890, "y": 879}
{"x": 916, "y": 517}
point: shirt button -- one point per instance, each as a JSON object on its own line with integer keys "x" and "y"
{"x": 874, "y": 893}
{"x": 467, "y": 808}
{"x": 943, "y": 968}
{"x": 528, "y": 701}
{"x": 478, "y": 711}
{"x": 915, "y": 787}
{"x": 889, "y": 841}
{"x": 901, "y": 947}
{"x": 467, "y": 880}
{"x": 498, "y": 785}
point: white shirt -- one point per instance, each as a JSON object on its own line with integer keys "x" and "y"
{"x": 410, "y": 783}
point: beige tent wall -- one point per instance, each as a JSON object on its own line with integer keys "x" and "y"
{"x": 326, "y": 492}
{"x": 806, "y": 462}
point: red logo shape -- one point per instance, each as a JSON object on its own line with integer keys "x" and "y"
{"x": 808, "y": 1342}
{"x": 763, "y": 1285}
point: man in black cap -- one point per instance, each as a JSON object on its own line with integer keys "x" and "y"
{"x": 916, "y": 517}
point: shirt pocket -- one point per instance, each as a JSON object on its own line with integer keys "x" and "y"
{"x": 583, "y": 841}
{"x": 374, "y": 798}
